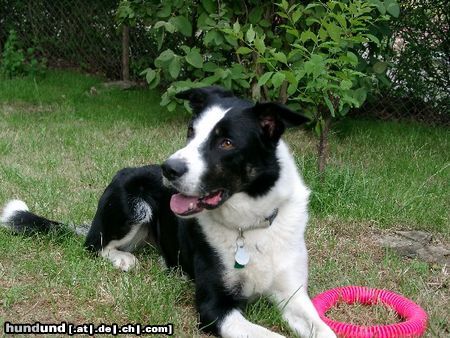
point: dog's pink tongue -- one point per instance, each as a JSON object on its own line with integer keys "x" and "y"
{"x": 213, "y": 199}
{"x": 181, "y": 204}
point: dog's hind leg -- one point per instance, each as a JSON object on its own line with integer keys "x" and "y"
{"x": 126, "y": 216}
{"x": 119, "y": 251}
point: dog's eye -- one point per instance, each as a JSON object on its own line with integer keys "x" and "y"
{"x": 226, "y": 144}
{"x": 190, "y": 132}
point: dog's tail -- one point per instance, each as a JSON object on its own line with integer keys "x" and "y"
{"x": 17, "y": 217}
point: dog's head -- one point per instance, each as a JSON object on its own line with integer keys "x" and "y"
{"x": 231, "y": 147}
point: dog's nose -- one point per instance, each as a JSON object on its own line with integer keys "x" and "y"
{"x": 174, "y": 168}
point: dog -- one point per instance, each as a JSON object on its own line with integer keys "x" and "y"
{"x": 230, "y": 209}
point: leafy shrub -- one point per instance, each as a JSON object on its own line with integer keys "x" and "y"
{"x": 320, "y": 58}
{"x": 17, "y": 62}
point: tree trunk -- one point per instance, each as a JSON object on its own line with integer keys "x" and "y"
{"x": 192, "y": 38}
{"x": 125, "y": 53}
{"x": 255, "y": 88}
{"x": 283, "y": 95}
{"x": 322, "y": 148}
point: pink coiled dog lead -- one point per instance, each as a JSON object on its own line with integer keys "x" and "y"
{"x": 414, "y": 317}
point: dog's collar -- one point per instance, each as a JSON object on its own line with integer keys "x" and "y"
{"x": 272, "y": 216}
{"x": 262, "y": 223}
{"x": 241, "y": 256}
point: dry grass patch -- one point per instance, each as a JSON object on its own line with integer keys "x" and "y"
{"x": 363, "y": 315}
{"x": 15, "y": 107}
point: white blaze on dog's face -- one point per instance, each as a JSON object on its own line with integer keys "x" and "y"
{"x": 231, "y": 148}
{"x": 190, "y": 184}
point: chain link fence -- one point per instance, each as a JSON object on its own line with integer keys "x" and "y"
{"x": 85, "y": 35}
{"x": 419, "y": 54}
{"x": 80, "y": 34}
{"x": 389, "y": 106}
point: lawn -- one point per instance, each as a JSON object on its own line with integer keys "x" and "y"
{"x": 61, "y": 141}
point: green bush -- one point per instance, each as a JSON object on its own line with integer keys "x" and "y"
{"x": 320, "y": 58}
{"x": 17, "y": 62}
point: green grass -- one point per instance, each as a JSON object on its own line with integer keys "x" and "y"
{"x": 394, "y": 173}
{"x": 61, "y": 142}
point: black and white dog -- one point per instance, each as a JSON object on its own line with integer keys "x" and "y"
{"x": 230, "y": 208}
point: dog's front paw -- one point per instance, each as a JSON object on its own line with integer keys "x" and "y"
{"x": 325, "y": 332}
{"x": 234, "y": 325}
{"x": 254, "y": 332}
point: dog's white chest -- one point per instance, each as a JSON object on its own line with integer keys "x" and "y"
{"x": 257, "y": 275}
{"x": 267, "y": 250}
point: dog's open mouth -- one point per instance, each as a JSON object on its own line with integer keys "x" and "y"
{"x": 183, "y": 205}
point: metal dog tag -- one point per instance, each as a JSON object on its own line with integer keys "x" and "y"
{"x": 241, "y": 257}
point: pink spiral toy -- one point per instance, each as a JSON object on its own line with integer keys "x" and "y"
{"x": 415, "y": 318}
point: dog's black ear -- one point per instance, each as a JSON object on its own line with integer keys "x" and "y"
{"x": 200, "y": 97}
{"x": 275, "y": 117}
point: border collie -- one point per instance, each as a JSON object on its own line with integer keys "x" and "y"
{"x": 230, "y": 208}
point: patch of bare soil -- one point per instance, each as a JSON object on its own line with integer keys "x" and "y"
{"x": 417, "y": 244}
